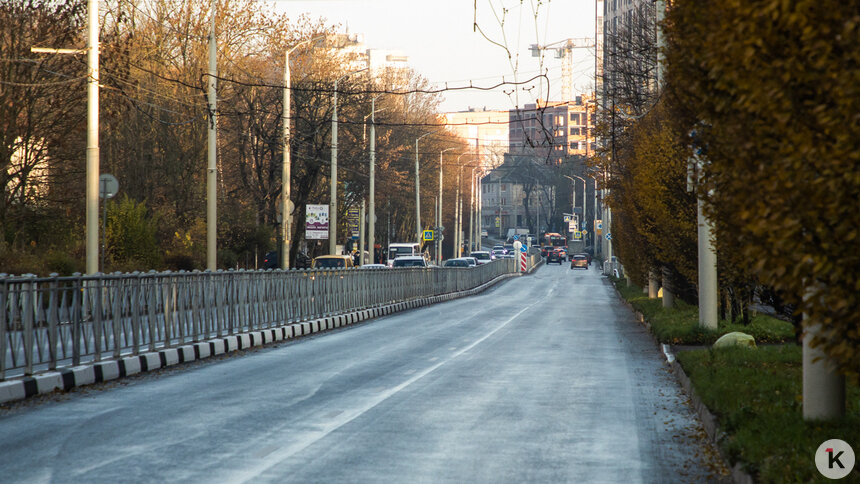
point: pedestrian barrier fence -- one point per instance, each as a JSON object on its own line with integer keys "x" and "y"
{"x": 54, "y": 322}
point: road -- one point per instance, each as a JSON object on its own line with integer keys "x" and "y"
{"x": 544, "y": 378}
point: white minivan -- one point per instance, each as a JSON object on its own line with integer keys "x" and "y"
{"x": 400, "y": 249}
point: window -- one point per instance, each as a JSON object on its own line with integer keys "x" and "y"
{"x": 504, "y": 187}
{"x": 574, "y": 118}
{"x": 504, "y": 201}
{"x": 574, "y": 131}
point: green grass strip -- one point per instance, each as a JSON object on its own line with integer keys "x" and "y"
{"x": 756, "y": 395}
{"x": 679, "y": 325}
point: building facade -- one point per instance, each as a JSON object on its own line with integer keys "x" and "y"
{"x": 486, "y": 132}
{"x": 553, "y": 131}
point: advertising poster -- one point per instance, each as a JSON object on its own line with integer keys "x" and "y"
{"x": 316, "y": 222}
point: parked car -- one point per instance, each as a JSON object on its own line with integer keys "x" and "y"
{"x": 410, "y": 261}
{"x": 374, "y": 266}
{"x": 333, "y": 262}
{"x": 456, "y": 263}
{"x": 272, "y": 260}
{"x": 482, "y": 256}
{"x": 553, "y": 256}
{"x": 579, "y": 260}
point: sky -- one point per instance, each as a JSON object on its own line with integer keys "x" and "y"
{"x": 438, "y": 37}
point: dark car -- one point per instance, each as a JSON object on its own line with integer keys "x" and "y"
{"x": 272, "y": 260}
{"x": 553, "y": 256}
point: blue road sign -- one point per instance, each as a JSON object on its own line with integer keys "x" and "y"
{"x": 523, "y": 248}
{"x": 608, "y": 236}
{"x": 516, "y": 237}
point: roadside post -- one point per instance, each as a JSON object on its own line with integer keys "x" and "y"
{"x": 518, "y": 246}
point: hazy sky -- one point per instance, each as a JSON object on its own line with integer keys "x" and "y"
{"x": 438, "y": 37}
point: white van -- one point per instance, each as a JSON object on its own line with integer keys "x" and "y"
{"x": 400, "y": 249}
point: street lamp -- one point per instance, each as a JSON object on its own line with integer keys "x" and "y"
{"x": 332, "y": 208}
{"x": 458, "y": 216}
{"x": 439, "y": 210}
{"x": 286, "y": 215}
{"x": 417, "y": 189}
{"x": 371, "y": 235}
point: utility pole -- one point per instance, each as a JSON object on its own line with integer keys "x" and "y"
{"x": 371, "y": 235}
{"x": 439, "y": 210}
{"x": 332, "y": 207}
{"x": 708, "y": 303}
{"x": 212, "y": 165}
{"x": 287, "y": 215}
{"x": 418, "y": 191}
{"x": 457, "y": 241}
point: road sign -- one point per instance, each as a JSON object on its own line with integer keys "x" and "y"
{"x": 428, "y": 235}
{"x": 598, "y": 224}
{"x": 352, "y": 222}
{"x": 516, "y": 237}
{"x": 584, "y": 232}
{"x": 567, "y": 218}
{"x": 608, "y": 236}
{"x": 577, "y": 235}
{"x": 523, "y": 248}
{"x": 571, "y": 226}
{"x": 108, "y": 186}
{"x": 498, "y": 221}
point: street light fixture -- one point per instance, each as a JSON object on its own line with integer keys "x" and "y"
{"x": 371, "y": 235}
{"x": 418, "y": 189}
{"x": 332, "y": 209}
{"x": 439, "y": 210}
{"x": 286, "y": 215}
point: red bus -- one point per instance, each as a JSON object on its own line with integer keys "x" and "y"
{"x": 551, "y": 241}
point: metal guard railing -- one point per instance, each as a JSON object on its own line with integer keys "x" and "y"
{"x": 47, "y": 323}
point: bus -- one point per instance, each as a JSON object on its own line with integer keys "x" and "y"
{"x": 551, "y": 241}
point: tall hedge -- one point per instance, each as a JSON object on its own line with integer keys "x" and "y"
{"x": 776, "y": 87}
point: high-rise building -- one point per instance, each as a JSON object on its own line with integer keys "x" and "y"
{"x": 552, "y": 131}
{"x": 485, "y": 130}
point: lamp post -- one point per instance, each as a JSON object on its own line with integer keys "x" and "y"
{"x": 418, "y": 190}
{"x": 458, "y": 217}
{"x": 286, "y": 226}
{"x": 439, "y": 210}
{"x": 371, "y": 231}
{"x": 332, "y": 208}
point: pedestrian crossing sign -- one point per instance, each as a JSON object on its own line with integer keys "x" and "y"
{"x": 428, "y": 235}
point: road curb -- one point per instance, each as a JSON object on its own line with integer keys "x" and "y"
{"x": 128, "y": 365}
{"x": 708, "y": 420}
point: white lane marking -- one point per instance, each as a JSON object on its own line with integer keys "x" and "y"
{"x": 325, "y": 429}
{"x": 409, "y": 372}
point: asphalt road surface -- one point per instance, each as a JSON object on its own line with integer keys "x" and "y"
{"x": 544, "y": 378}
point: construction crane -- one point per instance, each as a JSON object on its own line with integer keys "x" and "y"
{"x": 564, "y": 50}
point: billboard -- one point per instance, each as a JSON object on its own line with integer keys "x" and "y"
{"x": 316, "y": 222}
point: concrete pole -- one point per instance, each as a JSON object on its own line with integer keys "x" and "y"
{"x": 708, "y": 303}
{"x": 332, "y": 204}
{"x": 332, "y": 207}
{"x": 418, "y": 191}
{"x": 439, "y": 208}
{"x": 92, "y": 180}
{"x": 286, "y": 216}
{"x": 456, "y": 252}
{"x": 361, "y": 239}
{"x": 661, "y": 14}
{"x": 823, "y": 386}
{"x": 371, "y": 232}
{"x": 472, "y": 211}
{"x": 480, "y": 221}
{"x": 212, "y": 166}
{"x": 460, "y": 245}
{"x": 668, "y": 297}
{"x": 653, "y": 284}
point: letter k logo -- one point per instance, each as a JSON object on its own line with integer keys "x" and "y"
{"x": 834, "y": 459}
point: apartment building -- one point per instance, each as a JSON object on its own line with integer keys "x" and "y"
{"x": 553, "y": 131}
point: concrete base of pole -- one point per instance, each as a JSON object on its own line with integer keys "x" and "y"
{"x": 823, "y": 388}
